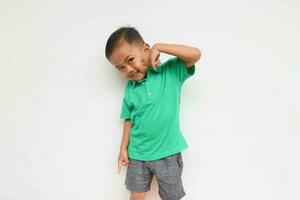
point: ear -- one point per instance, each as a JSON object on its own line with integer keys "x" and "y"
{"x": 146, "y": 48}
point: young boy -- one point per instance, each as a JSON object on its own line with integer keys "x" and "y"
{"x": 152, "y": 141}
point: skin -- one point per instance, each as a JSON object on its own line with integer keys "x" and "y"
{"x": 135, "y": 67}
{"x": 133, "y": 60}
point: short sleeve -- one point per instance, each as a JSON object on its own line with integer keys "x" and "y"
{"x": 178, "y": 70}
{"x": 126, "y": 106}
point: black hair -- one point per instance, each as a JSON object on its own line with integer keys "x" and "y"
{"x": 128, "y": 34}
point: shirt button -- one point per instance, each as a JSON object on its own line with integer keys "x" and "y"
{"x": 150, "y": 93}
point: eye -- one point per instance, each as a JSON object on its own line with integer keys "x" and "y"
{"x": 130, "y": 60}
{"x": 120, "y": 68}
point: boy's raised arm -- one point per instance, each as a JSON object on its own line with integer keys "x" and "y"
{"x": 189, "y": 55}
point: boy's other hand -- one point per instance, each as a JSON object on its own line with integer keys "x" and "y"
{"x": 154, "y": 56}
{"x": 123, "y": 159}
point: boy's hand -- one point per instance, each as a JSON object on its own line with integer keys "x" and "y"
{"x": 154, "y": 56}
{"x": 123, "y": 159}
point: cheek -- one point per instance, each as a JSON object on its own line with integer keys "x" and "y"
{"x": 124, "y": 74}
{"x": 144, "y": 61}
{"x": 143, "y": 66}
{"x": 141, "y": 69}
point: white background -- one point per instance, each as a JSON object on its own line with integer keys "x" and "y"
{"x": 60, "y": 102}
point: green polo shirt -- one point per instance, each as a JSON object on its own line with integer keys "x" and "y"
{"x": 153, "y": 106}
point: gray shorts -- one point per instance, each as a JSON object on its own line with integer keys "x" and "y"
{"x": 168, "y": 172}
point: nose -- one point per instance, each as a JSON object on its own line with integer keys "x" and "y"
{"x": 130, "y": 71}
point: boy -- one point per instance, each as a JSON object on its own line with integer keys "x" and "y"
{"x": 152, "y": 141}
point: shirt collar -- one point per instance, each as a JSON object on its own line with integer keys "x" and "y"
{"x": 157, "y": 69}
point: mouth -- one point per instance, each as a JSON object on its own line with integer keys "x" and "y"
{"x": 133, "y": 75}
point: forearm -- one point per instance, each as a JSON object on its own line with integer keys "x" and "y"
{"x": 186, "y": 53}
{"x": 125, "y": 137}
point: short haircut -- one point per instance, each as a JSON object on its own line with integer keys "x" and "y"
{"x": 128, "y": 34}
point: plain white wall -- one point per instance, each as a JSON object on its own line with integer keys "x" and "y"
{"x": 60, "y": 130}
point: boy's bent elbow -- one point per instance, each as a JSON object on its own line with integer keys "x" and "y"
{"x": 198, "y": 54}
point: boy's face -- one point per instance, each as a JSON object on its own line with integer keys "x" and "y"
{"x": 132, "y": 60}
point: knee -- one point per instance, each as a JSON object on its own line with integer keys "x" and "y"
{"x": 138, "y": 196}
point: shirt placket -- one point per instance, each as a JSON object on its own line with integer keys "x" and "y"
{"x": 149, "y": 91}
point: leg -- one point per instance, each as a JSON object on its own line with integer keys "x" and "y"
{"x": 168, "y": 172}
{"x": 138, "y": 179}
{"x": 138, "y": 195}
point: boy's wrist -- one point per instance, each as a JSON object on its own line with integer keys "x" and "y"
{"x": 123, "y": 149}
{"x": 164, "y": 48}
{"x": 157, "y": 46}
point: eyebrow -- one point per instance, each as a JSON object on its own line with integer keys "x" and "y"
{"x": 123, "y": 60}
